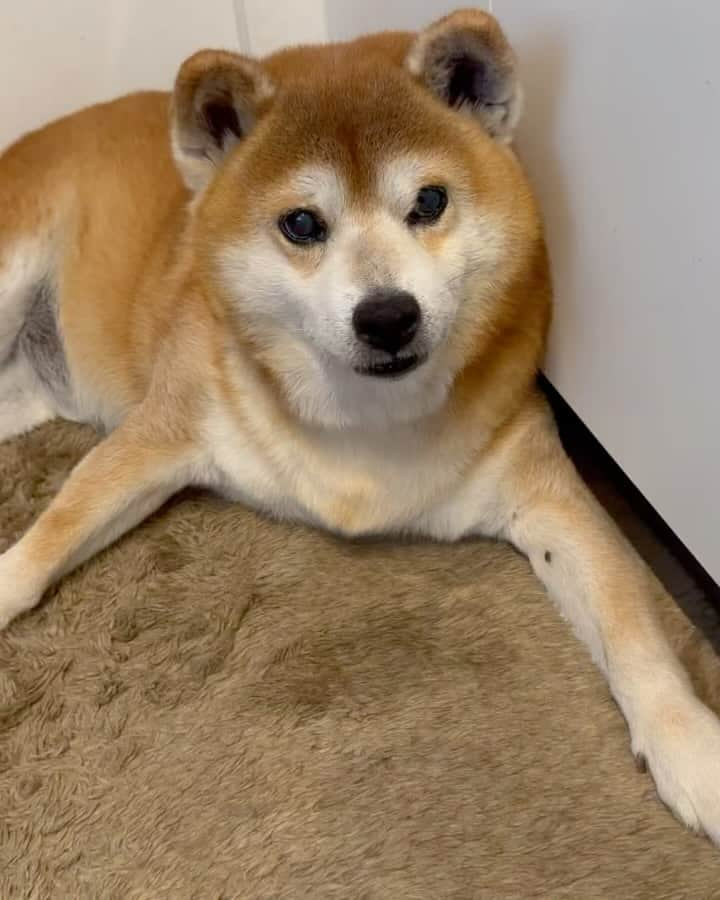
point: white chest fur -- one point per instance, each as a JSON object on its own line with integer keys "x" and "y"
{"x": 351, "y": 481}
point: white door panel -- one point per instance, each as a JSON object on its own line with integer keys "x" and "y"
{"x": 57, "y": 57}
{"x": 621, "y": 136}
{"x": 271, "y": 26}
{"x": 347, "y": 18}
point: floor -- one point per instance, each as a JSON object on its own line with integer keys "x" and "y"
{"x": 222, "y": 706}
{"x": 683, "y": 577}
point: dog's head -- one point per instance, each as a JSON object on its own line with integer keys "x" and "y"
{"x": 360, "y": 212}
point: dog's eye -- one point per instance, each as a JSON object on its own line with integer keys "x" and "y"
{"x": 430, "y": 204}
{"x": 301, "y": 226}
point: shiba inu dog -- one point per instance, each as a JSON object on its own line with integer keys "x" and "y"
{"x": 317, "y": 283}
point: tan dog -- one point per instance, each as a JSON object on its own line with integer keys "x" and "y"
{"x": 323, "y": 292}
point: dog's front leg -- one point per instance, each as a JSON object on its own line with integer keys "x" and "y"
{"x": 534, "y": 498}
{"x": 120, "y": 482}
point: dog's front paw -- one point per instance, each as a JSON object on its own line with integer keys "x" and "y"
{"x": 681, "y": 747}
{"x": 17, "y": 593}
{"x": 13, "y": 603}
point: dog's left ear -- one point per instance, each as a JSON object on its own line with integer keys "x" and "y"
{"x": 467, "y": 62}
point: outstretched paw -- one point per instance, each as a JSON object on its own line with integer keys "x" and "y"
{"x": 681, "y": 748}
{"x": 17, "y": 594}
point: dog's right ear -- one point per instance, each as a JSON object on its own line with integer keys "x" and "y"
{"x": 217, "y": 98}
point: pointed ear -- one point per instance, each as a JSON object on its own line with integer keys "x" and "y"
{"x": 467, "y": 62}
{"x": 217, "y": 98}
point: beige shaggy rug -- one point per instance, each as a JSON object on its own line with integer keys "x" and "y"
{"x": 222, "y": 706}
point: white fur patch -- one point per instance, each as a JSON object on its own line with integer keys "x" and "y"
{"x": 322, "y": 188}
{"x": 399, "y": 180}
{"x": 21, "y": 268}
{"x": 23, "y": 403}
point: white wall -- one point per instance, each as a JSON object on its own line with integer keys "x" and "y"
{"x": 622, "y": 139}
{"x": 58, "y": 56}
{"x": 272, "y": 25}
{"x": 348, "y": 18}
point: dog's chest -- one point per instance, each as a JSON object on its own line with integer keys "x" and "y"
{"x": 344, "y": 484}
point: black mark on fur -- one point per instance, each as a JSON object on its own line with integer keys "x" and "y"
{"x": 548, "y": 556}
{"x": 641, "y": 763}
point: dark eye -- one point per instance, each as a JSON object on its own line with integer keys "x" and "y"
{"x": 301, "y": 226}
{"x": 430, "y": 204}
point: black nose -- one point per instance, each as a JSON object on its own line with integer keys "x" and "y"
{"x": 387, "y": 320}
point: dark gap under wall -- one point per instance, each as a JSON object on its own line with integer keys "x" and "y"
{"x": 684, "y": 577}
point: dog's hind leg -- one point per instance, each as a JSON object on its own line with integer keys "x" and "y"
{"x": 23, "y": 402}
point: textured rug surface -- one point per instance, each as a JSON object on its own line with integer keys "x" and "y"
{"x": 221, "y": 706}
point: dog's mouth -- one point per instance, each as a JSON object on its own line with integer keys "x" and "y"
{"x": 394, "y": 368}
